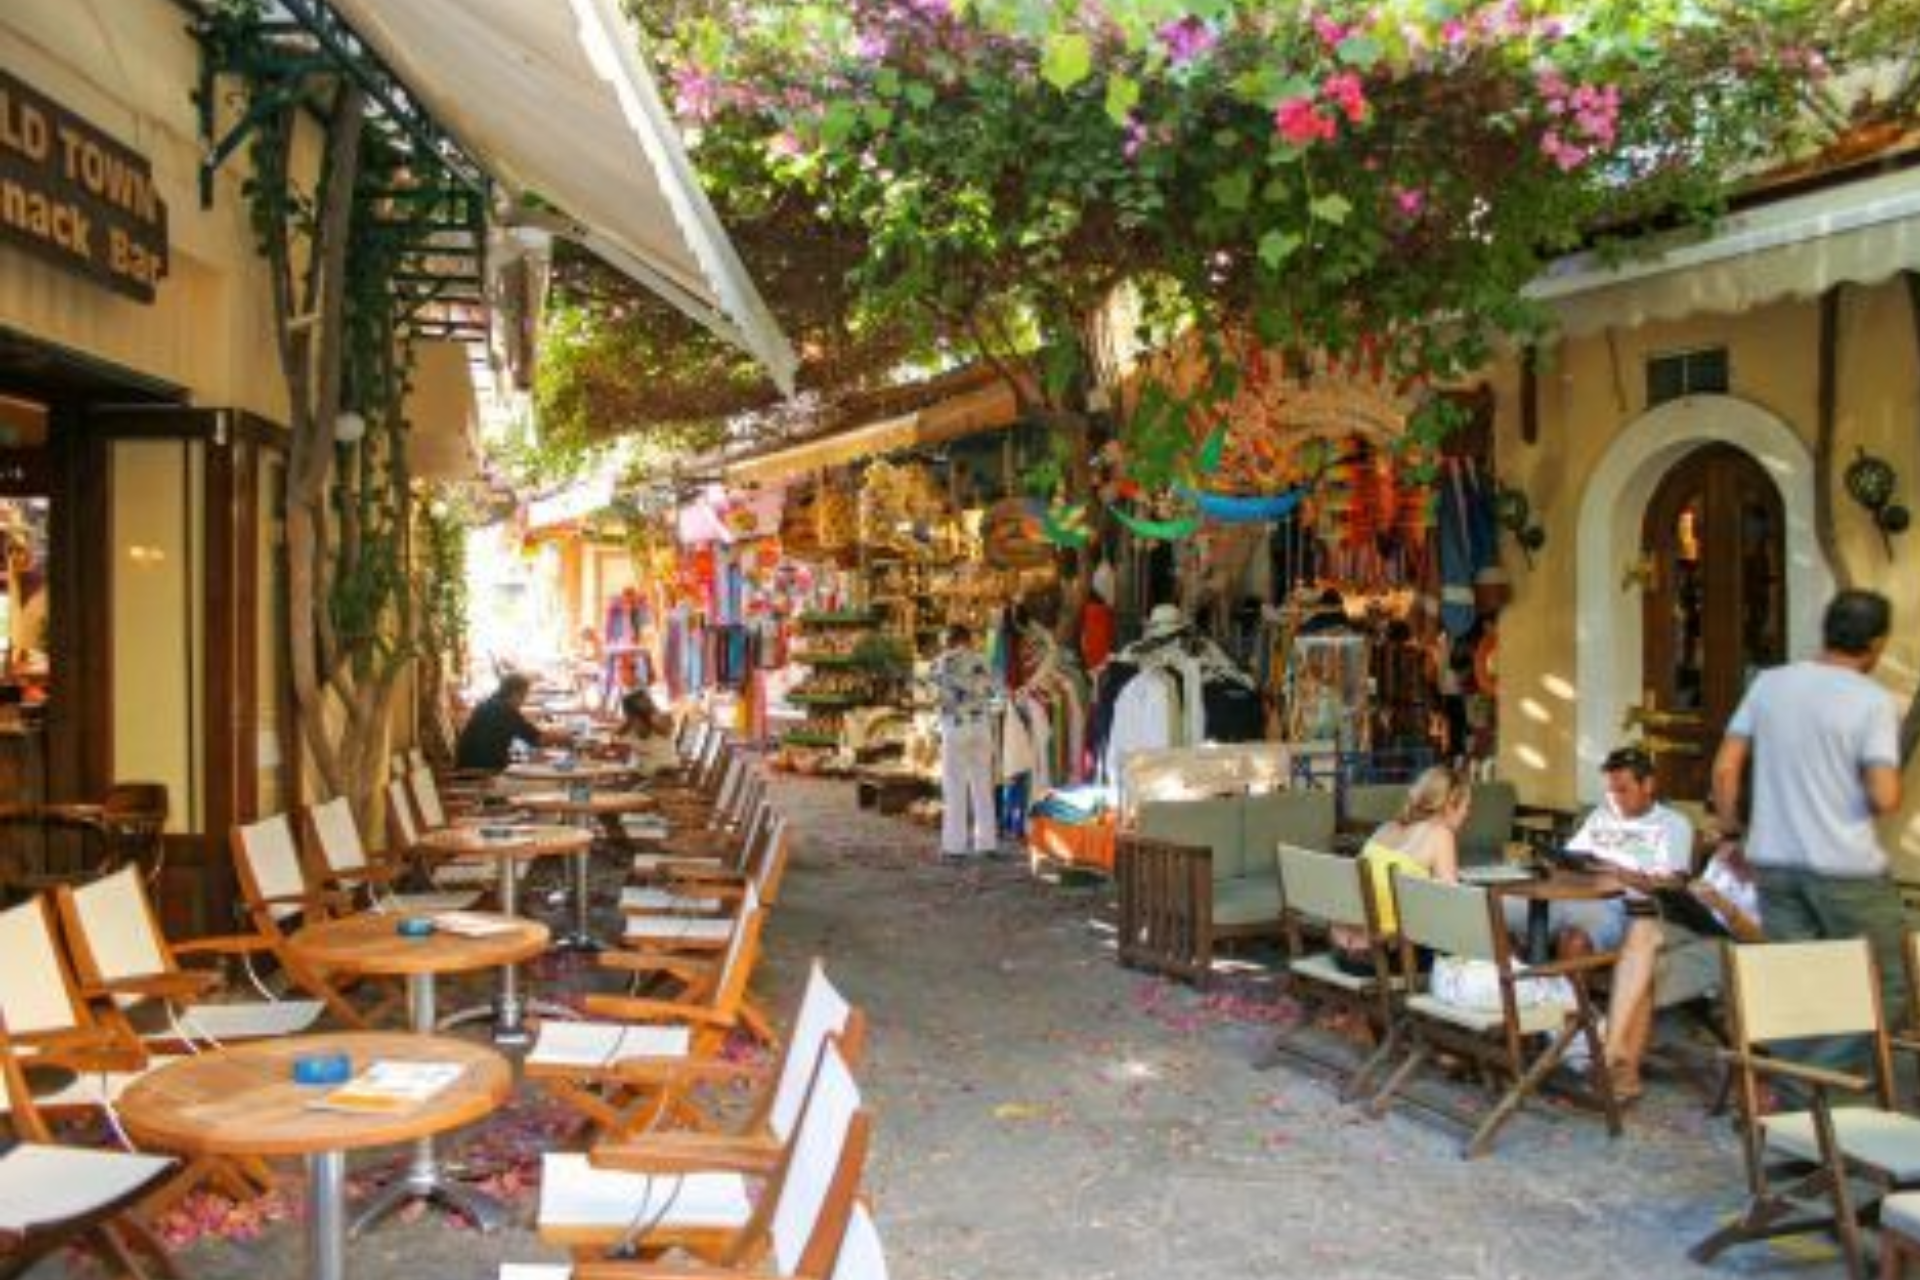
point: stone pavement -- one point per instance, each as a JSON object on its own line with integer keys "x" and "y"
{"x": 1045, "y": 1115}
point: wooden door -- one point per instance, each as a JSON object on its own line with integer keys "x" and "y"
{"x": 1714, "y": 607}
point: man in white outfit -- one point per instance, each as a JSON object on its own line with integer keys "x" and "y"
{"x": 968, "y": 827}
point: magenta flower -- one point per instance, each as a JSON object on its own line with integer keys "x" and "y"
{"x": 872, "y": 44}
{"x": 1409, "y": 200}
{"x": 1186, "y": 40}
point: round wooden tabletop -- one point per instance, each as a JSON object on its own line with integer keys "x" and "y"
{"x": 524, "y": 841}
{"x": 371, "y": 943}
{"x": 579, "y": 771}
{"x": 243, "y": 1101}
{"x": 1561, "y": 886}
{"x": 597, "y": 804}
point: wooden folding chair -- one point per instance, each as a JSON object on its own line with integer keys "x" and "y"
{"x": 274, "y": 888}
{"x": 1465, "y": 922}
{"x": 124, "y": 962}
{"x": 1321, "y": 892}
{"x": 339, "y": 862}
{"x": 694, "y": 912}
{"x": 1784, "y": 992}
{"x": 720, "y": 839}
{"x": 53, "y": 1195}
{"x": 621, "y": 1201}
{"x": 50, "y": 1025}
{"x": 589, "y": 1063}
{"x": 409, "y": 818}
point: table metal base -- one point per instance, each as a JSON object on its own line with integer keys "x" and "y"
{"x": 509, "y": 1020}
{"x": 327, "y": 1215}
{"x": 581, "y": 936}
{"x": 425, "y": 1180}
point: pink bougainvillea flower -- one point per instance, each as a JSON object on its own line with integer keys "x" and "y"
{"x": 1186, "y": 39}
{"x": 1331, "y": 33}
{"x": 1567, "y": 155}
{"x": 696, "y": 95}
{"x": 1346, "y": 92}
{"x": 1409, "y": 200}
{"x": 1302, "y": 124}
{"x": 1133, "y": 139}
{"x": 872, "y": 44}
{"x": 1454, "y": 33}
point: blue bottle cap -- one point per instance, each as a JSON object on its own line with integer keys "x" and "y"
{"x": 322, "y": 1068}
{"x": 415, "y": 927}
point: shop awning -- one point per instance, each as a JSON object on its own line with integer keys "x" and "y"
{"x": 552, "y": 98}
{"x": 992, "y": 407}
{"x": 1862, "y": 232}
{"x": 442, "y": 414}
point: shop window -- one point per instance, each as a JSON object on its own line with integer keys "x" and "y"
{"x": 1687, "y": 373}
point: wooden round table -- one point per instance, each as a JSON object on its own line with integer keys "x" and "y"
{"x": 507, "y": 844}
{"x": 371, "y": 944}
{"x": 243, "y": 1101}
{"x": 591, "y": 772}
{"x": 583, "y": 810}
{"x": 1541, "y": 892}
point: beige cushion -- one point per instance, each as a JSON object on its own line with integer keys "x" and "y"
{"x": 1884, "y": 1140}
{"x": 1321, "y": 967}
{"x": 1533, "y": 1020}
{"x": 1247, "y": 900}
{"x": 1208, "y": 824}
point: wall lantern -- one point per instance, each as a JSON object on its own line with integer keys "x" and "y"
{"x": 1870, "y": 482}
{"x": 349, "y": 428}
{"x": 1512, "y": 512}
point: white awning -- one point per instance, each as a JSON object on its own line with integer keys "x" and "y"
{"x": 552, "y": 98}
{"x": 1862, "y": 232}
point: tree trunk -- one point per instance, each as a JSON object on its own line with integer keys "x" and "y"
{"x": 1910, "y": 723}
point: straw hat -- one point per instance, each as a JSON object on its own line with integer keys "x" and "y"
{"x": 1165, "y": 620}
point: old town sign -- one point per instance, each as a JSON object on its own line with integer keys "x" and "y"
{"x": 75, "y": 197}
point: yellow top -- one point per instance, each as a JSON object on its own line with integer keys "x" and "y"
{"x": 1382, "y": 862}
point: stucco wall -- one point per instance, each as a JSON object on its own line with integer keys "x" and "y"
{"x": 1591, "y": 391}
{"x": 127, "y": 66}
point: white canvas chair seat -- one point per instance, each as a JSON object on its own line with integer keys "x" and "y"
{"x": 535, "y": 1271}
{"x": 465, "y": 871}
{"x": 88, "y": 1090}
{"x": 42, "y": 1186}
{"x": 1885, "y": 1140}
{"x": 1902, "y": 1213}
{"x": 641, "y": 898}
{"x": 431, "y": 903}
{"x": 246, "y": 1020}
{"x": 650, "y": 864}
{"x": 605, "y": 1044}
{"x": 580, "y": 1201}
{"x": 1534, "y": 1019}
{"x": 678, "y": 929}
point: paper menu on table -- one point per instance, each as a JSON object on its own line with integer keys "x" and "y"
{"x": 388, "y": 1088}
{"x": 469, "y": 924}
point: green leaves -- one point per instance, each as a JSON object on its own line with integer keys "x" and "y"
{"x": 1232, "y": 191}
{"x": 1068, "y": 60}
{"x": 1277, "y": 246}
{"x": 1332, "y": 207}
{"x": 1123, "y": 95}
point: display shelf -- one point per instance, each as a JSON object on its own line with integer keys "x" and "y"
{"x": 808, "y": 738}
{"x": 845, "y": 618}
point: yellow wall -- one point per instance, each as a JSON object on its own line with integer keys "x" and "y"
{"x": 1593, "y": 389}
{"x": 158, "y": 611}
{"x": 127, "y": 67}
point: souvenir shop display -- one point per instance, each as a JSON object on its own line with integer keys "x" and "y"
{"x": 853, "y": 668}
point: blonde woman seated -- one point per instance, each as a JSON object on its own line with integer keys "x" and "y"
{"x": 1423, "y": 841}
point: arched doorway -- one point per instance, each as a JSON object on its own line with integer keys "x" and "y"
{"x": 1610, "y": 655}
{"x": 1713, "y": 606}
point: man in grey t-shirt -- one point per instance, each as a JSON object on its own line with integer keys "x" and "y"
{"x": 1823, "y": 738}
